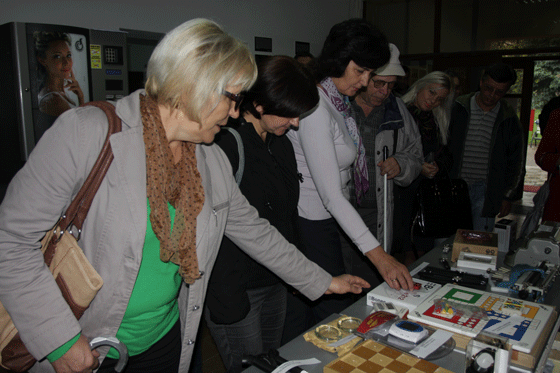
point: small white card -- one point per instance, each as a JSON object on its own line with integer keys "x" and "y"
{"x": 432, "y": 343}
{"x": 295, "y": 363}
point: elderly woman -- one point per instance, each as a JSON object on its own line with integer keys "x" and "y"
{"x": 166, "y": 195}
{"x": 326, "y": 146}
{"x": 246, "y": 301}
{"x": 427, "y": 100}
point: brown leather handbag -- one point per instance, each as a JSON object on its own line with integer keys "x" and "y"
{"x": 78, "y": 281}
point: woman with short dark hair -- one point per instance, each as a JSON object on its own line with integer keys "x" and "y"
{"x": 246, "y": 303}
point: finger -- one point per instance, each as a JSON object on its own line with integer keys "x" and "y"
{"x": 95, "y": 363}
{"x": 356, "y": 289}
{"x": 394, "y": 283}
{"x": 408, "y": 280}
{"x": 362, "y": 283}
{"x": 358, "y": 281}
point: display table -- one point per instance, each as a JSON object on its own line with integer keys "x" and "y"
{"x": 299, "y": 349}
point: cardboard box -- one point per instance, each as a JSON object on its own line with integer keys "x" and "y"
{"x": 474, "y": 242}
{"x": 507, "y": 233}
{"x": 555, "y": 350}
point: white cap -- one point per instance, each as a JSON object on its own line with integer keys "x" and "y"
{"x": 393, "y": 67}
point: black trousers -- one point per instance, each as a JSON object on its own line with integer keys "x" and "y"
{"x": 320, "y": 242}
{"x": 162, "y": 357}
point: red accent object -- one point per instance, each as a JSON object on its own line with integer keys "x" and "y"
{"x": 374, "y": 320}
{"x": 531, "y": 188}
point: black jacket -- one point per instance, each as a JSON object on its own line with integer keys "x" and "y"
{"x": 270, "y": 183}
{"x": 506, "y": 169}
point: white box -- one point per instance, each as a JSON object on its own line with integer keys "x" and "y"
{"x": 507, "y": 233}
{"x": 483, "y": 262}
{"x": 408, "y": 299}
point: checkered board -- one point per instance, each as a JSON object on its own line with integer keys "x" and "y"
{"x": 372, "y": 357}
{"x": 523, "y": 333}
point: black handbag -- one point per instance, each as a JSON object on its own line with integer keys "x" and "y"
{"x": 442, "y": 206}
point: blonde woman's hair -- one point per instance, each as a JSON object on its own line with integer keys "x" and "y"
{"x": 441, "y": 113}
{"x": 192, "y": 65}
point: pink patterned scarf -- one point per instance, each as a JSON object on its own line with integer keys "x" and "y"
{"x": 342, "y": 104}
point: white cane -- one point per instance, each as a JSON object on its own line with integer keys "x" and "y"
{"x": 385, "y": 155}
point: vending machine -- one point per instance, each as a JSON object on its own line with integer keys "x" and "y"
{"x": 34, "y": 57}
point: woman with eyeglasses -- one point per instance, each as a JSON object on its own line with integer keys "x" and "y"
{"x": 428, "y": 100}
{"x": 246, "y": 303}
{"x": 156, "y": 223}
{"x": 327, "y": 145}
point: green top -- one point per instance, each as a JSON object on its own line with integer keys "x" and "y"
{"x": 152, "y": 309}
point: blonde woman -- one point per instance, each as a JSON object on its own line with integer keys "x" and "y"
{"x": 427, "y": 100}
{"x": 156, "y": 223}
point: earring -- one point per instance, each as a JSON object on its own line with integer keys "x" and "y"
{"x": 181, "y": 115}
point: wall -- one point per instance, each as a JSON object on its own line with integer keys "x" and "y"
{"x": 285, "y": 21}
{"x": 495, "y": 19}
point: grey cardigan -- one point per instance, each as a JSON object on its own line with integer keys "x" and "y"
{"x": 114, "y": 231}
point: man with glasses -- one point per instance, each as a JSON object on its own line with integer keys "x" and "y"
{"x": 487, "y": 146}
{"x": 383, "y": 121}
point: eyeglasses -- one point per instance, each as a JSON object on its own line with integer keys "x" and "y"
{"x": 237, "y": 98}
{"x": 381, "y": 83}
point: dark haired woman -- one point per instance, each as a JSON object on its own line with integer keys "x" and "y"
{"x": 327, "y": 145}
{"x": 246, "y": 302}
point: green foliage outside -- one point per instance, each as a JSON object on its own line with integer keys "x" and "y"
{"x": 546, "y": 81}
{"x": 546, "y": 84}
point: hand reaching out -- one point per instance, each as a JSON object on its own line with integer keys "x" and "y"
{"x": 347, "y": 284}
{"x": 393, "y": 272}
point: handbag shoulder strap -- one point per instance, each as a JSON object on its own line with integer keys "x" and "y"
{"x": 78, "y": 209}
{"x": 241, "y": 151}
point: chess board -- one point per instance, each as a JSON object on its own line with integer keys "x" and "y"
{"x": 523, "y": 331}
{"x": 372, "y": 357}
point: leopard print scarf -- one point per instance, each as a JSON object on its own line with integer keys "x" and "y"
{"x": 178, "y": 184}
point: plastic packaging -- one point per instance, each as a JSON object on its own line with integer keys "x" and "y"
{"x": 448, "y": 308}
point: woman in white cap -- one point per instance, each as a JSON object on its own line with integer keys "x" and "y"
{"x": 327, "y": 145}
